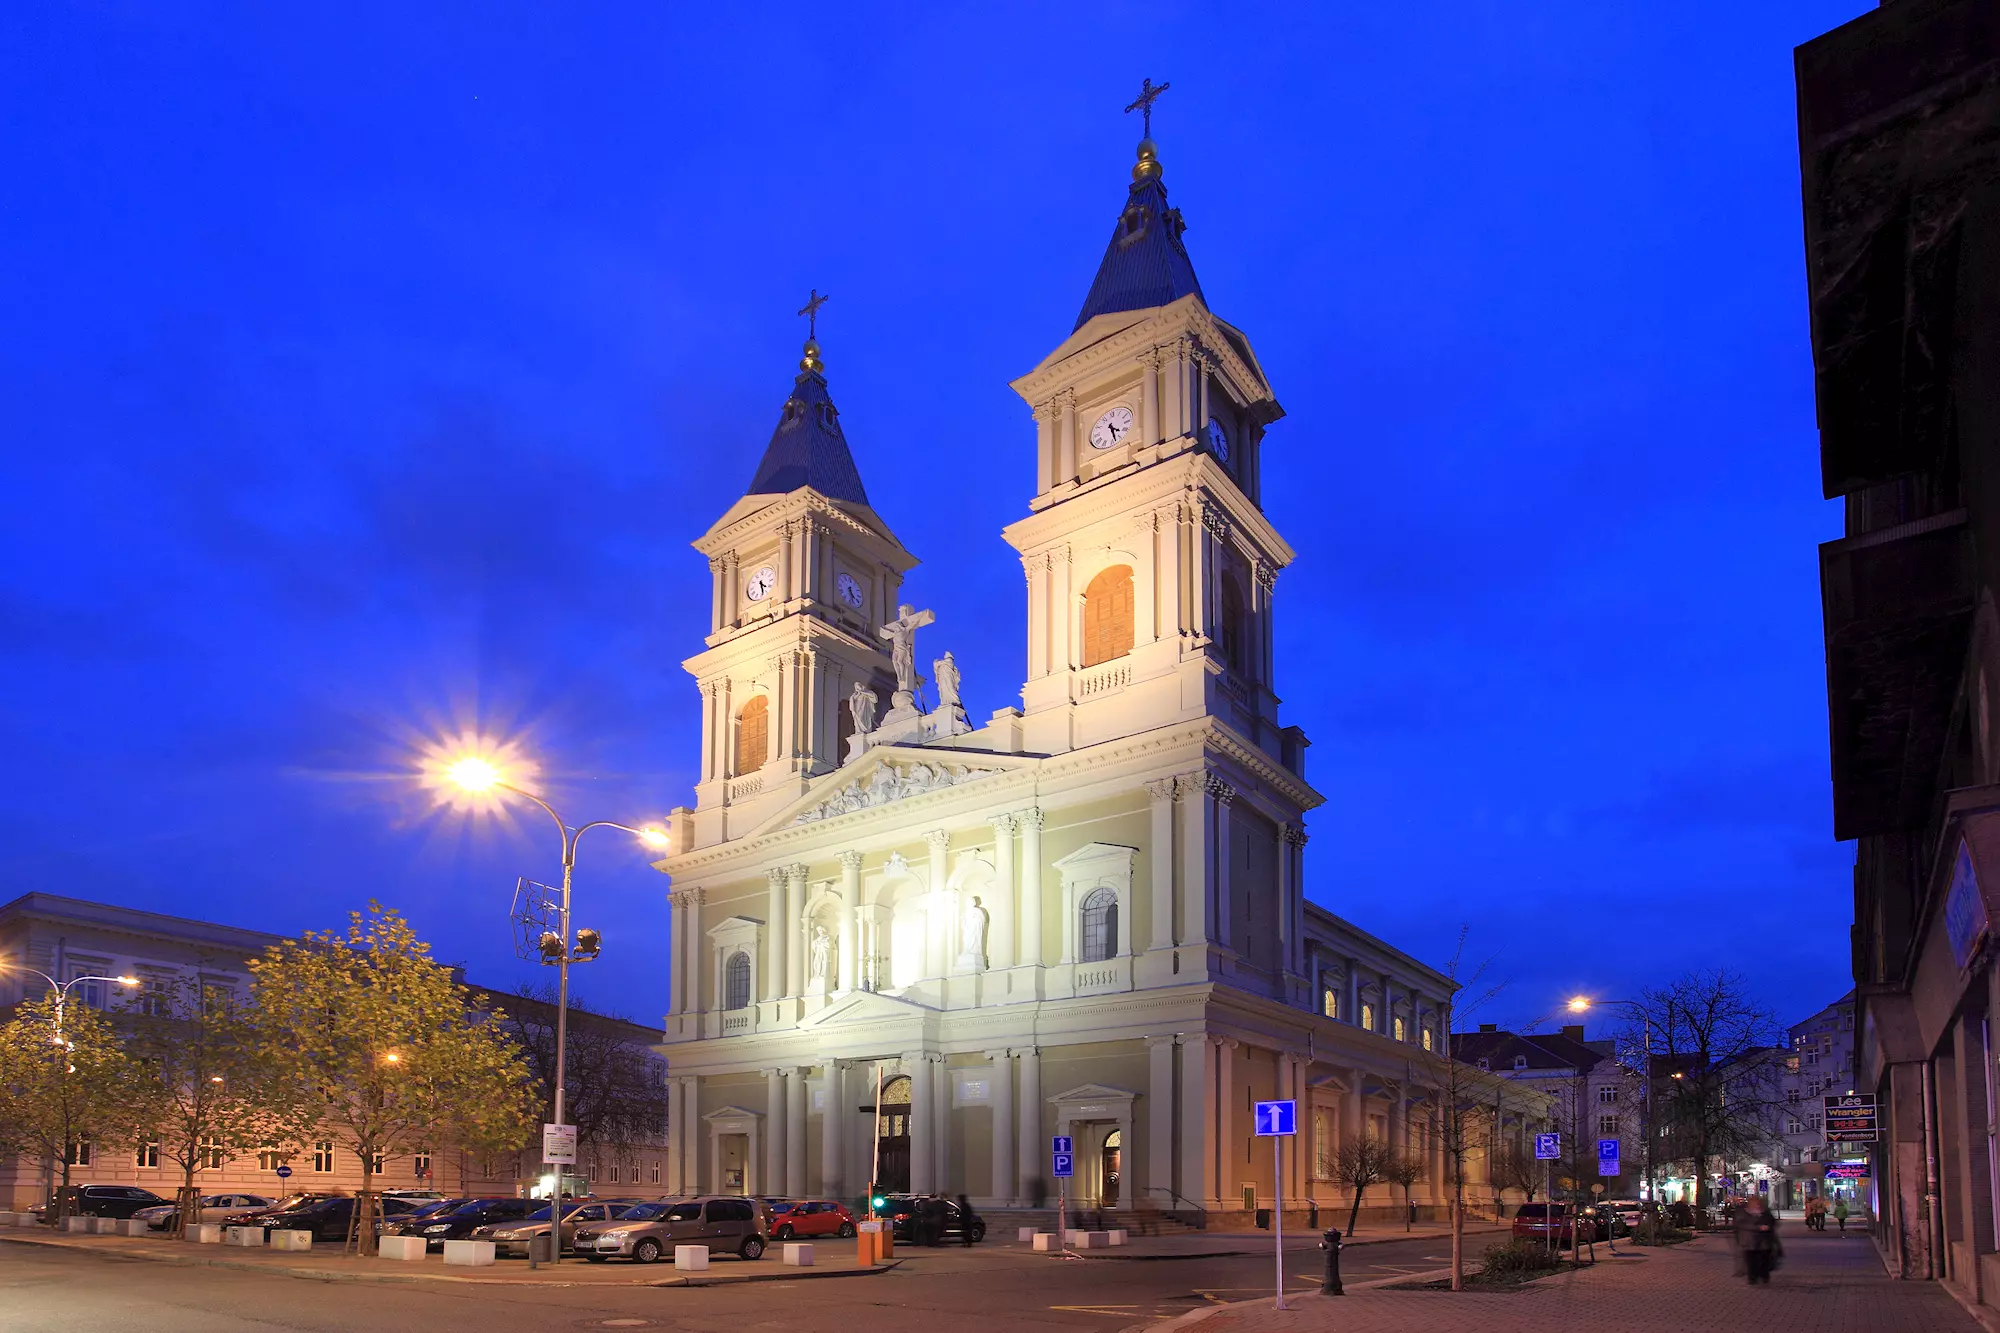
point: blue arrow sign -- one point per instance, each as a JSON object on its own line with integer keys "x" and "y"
{"x": 284, "y": 1173}
{"x": 1548, "y": 1147}
{"x": 1061, "y": 1143}
{"x": 1065, "y": 1164}
{"x": 1275, "y": 1119}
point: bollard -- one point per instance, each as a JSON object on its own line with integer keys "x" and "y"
{"x": 1330, "y": 1284}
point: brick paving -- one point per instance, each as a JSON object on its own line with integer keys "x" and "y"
{"x": 1827, "y": 1284}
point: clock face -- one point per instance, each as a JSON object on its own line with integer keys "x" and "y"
{"x": 848, "y": 589}
{"x": 1218, "y": 440}
{"x": 1111, "y": 428}
{"x": 760, "y": 584}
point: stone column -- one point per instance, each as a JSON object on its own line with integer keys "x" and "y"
{"x": 941, "y": 1137}
{"x": 677, "y": 926}
{"x": 850, "y": 905}
{"x": 775, "y": 937}
{"x": 1225, "y": 892}
{"x": 1197, "y": 1119}
{"x": 1290, "y": 901}
{"x": 832, "y": 1177}
{"x": 1354, "y": 991}
{"x": 674, "y": 1135}
{"x": 691, "y": 1001}
{"x": 1229, "y": 1148}
{"x": 1045, "y": 446}
{"x": 1352, "y": 1118}
{"x": 1158, "y": 1176}
{"x": 1399, "y": 1125}
{"x": 1066, "y": 433}
{"x": 1002, "y": 1185}
{"x": 937, "y": 930}
{"x": 795, "y": 1131}
{"x": 1028, "y": 1164}
{"x": 691, "y": 1139}
{"x": 918, "y": 1066}
{"x": 1031, "y": 886}
{"x": 784, "y": 564}
{"x": 1197, "y": 836}
{"x": 1160, "y": 856}
{"x": 795, "y": 912}
{"x": 774, "y": 1129}
{"x": 1149, "y": 397}
{"x": 1002, "y": 949}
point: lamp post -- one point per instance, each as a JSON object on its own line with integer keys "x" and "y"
{"x": 1578, "y": 1004}
{"x": 480, "y": 775}
{"x": 61, "y": 989}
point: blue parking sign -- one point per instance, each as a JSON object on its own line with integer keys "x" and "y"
{"x": 1064, "y": 1166}
{"x": 1275, "y": 1119}
{"x": 1548, "y": 1147}
{"x": 1607, "y": 1158}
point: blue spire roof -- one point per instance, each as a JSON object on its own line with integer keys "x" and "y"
{"x": 1146, "y": 264}
{"x": 807, "y": 448}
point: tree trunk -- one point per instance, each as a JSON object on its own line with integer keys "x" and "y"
{"x": 1355, "y": 1211}
{"x": 1458, "y": 1236}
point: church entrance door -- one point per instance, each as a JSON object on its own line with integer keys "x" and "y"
{"x": 1108, "y": 1166}
{"x": 892, "y": 1136}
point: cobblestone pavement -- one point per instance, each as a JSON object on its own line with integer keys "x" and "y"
{"x": 1826, "y": 1284}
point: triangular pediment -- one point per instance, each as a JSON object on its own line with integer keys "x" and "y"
{"x": 1094, "y": 1092}
{"x": 887, "y": 775}
{"x": 733, "y": 1113}
{"x": 861, "y": 1007}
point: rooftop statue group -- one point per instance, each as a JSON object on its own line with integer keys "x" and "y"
{"x": 907, "y": 719}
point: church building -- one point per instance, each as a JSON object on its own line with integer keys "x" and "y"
{"x": 908, "y": 949}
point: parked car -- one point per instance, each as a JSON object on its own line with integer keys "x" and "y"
{"x": 214, "y": 1208}
{"x": 327, "y": 1218}
{"x": 439, "y": 1226}
{"x": 650, "y": 1230}
{"x": 901, "y": 1209}
{"x": 414, "y": 1196}
{"x": 1539, "y": 1221}
{"x": 1627, "y": 1211}
{"x": 295, "y": 1200}
{"x": 513, "y": 1238}
{"x": 107, "y": 1201}
{"x": 792, "y": 1219}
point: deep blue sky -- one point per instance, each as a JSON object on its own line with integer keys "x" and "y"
{"x": 366, "y": 369}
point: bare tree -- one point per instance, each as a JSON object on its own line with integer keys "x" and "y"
{"x": 1405, "y": 1169}
{"x": 1714, "y": 1058}
{"x": 1513, "y": 1169}
{"x": 1358, "y": 1163}
{"x": 615, "y": 1088}
{"x": 1462, "y": 1120}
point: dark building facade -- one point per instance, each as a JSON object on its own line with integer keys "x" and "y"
{"x": 1899, "y": 146}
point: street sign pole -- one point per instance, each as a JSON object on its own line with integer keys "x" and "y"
{"x": 1278, "y": 1121}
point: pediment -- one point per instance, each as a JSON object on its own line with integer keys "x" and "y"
{"x": 733, "y": 1113}
{"x": 861, "y": 1007}
{"x": 1094, "y": 1092}
{"x": 887, "y": 775}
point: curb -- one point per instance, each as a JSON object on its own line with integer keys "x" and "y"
{"x": 360, "y": 1275}
{"x": 1345, "y": 1245}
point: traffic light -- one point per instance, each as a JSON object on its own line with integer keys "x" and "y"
{"x": 878, "y": 1198}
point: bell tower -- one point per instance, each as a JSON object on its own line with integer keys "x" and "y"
{"x": 804, "y": 574}
{"x": 1150, "y": 564}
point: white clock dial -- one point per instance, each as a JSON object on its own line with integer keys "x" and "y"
{"x": 848, "y": 588}
{"x": 1218, "y": 440}
{"x": 1111, "y": 428}
{"x": 760, "y": 584}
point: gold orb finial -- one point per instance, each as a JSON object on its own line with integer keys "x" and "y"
{"x": 810, "y": 362}
{"x": 1148, "y": 166}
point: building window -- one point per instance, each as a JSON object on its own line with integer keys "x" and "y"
{"x": 1792, "y": 1095}
{"x": 210, "y": 1155}
{"x": 1792, "y": 1126}
{"x": 1329, "y": 1002}
{"x": 376, "y": 1161}
{"x": 1368, "y": 1015}
{"x": 153, "y": 998}
{"x": 1100, "y": 925}
{"x": 1812, "y": 1122}
{"x": 1235, "y": 626}
{"x": 1607, "y": 1096}
{"x": 89, "y": 992}
{"x": 1397, "y": 1029}
{"x": 1107, "y": 615}
{"x": 753, "y": 734}
{"x": 78, "y": 1153}
{"x": 269, "y": 1159}
{"x": 736, "y": 981}
{"x": 1520, "y": 1062}
{"x": 148, "y": 1155}
{"x": 421, "y": 1164}
{"x": 1607, "y": 1124}
{"x": 1430, "y": 1039}
{"x": 656, "y": 1173}
{"x": 614, "y": 1173}
{"x": 323, "y": 1157}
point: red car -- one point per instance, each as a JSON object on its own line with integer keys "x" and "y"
{"x": 1539, "y": 1221}
{"x": 799, "y": 1219}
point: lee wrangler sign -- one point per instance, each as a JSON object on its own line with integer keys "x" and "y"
{"x": 1850, "y": 1118}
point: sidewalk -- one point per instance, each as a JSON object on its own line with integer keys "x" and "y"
{"x": 1221, "y": 1244}
{"x": 1827, "y": 1284}
{"x": 835, "y": 1259}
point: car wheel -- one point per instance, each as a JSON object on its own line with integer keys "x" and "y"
{"x": 846, "y": 1230}
{"x": 646, "y": 1252}
{"x": 753, "y": 1247}
{"x": 978, "y": 1232}
{"x": 784, "y": 1232}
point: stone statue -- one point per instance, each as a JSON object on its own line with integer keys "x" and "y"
{"x": 972, "y": 936}
{"x": 822, "y": 954}
{"x": 947, "y": 682}
{"x": 902, "y": 636}
{"x": 861, "y": 708}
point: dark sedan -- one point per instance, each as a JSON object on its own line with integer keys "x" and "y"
{"x": 438, "y": 1227}
{"x": 326, "y": 1219}
{"x": 902, "y": 1212}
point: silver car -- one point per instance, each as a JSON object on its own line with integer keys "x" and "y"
{"x": 515, "y": 1237}
{"x": 726, "y": 1224}
{"x": 214, "y": 1208}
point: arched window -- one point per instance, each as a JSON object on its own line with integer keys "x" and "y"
{"x": 1107, "y": 615}
{"x": 1234, "y": 628}
{"x": 1400, "y": 1032}
{"x": 1329, "y": 1002}
{"x": 1368, "y": 1015}
{"x": 753, "y": 734}
{"x": 736, "y": 981}
{"x": 1100, "y": 925}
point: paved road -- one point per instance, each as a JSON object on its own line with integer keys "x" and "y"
{"x": 992, "y": 1287}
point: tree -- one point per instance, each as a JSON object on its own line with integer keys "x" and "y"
{"x": 1514, "y": 1169}
{"x": 65, "y": 1083}
{"x": 1461, "y": 1119}
{"x": 383, "y": 1052}
{"x": 615, "y": 1089}
{"x": 1405, "y": 1169}
{"x": 1715, "y": 1090}
{"x": 205, "y": 1089}
{"x": 1358, "y": 1163}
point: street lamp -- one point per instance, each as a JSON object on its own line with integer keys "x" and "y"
{"x": 61, "y": 988}
{"x": 476, "y": 774}
{"x": 1580, "y": 1003}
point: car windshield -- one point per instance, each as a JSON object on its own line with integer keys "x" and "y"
{"x": 663, "y": 1212}
{"x": 472, "y": 1206}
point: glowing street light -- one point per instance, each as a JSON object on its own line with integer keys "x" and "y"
{"x": 474, "y": 774}
{"x": 1579, "y": 1004}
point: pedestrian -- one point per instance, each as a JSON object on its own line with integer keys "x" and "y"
{"x": 1839, "y": 1213}
{"x": 1757, "y": 1239}
{"x": 965, "y": 1221}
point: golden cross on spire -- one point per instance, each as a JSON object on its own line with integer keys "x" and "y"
{"x": 1148, "y": 94}
{"x": 811, "y": 311}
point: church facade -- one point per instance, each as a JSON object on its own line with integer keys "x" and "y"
{"x": 908, "y": 949}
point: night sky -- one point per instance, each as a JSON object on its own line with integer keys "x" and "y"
{"x": 366, "y": 370}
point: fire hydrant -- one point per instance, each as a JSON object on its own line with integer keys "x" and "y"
{"x": 1330, "y": 1284}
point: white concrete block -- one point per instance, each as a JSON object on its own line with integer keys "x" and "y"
{"x": 7, "y": 1219}
{"x": 691, "y": 1258}
{"x": 104, "y": 1226}
{"x": 473, "y": 1253}
{"x": 1118, "y": 1235}
{"x": 1072, "y": 1237}
{"x": 1047, "y": 1242}
{"x": 798, "y": 1256}
{"x": 1095, "y": 1240}
{"x": 82, "y": 1224}
{"x": 1025, "y": 1235}
{"x": 408, "y": 1249}
{"x": 248, "y": 1237}
{"x": 205, "y": 1233}
{"x": 129, "y": 1226}
{"x": 292, "y": 1240}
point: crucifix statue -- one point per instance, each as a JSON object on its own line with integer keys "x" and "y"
{"x": 811, "y": 311}
{"x": 902, "y": 636}
{"x": 1148, "y": 94}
